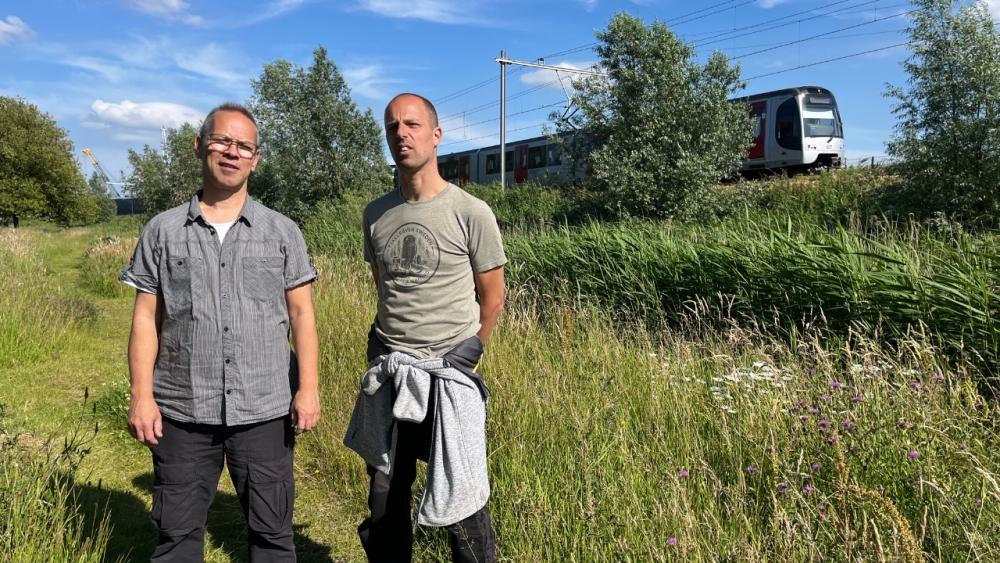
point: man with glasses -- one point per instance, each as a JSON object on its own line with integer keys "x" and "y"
{"x": 221, "y": 281}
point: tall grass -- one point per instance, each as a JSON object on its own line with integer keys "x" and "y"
{"x": 102, "y": 263}
{"x": 40, "y": 519}
{"x": 607, "y": 442}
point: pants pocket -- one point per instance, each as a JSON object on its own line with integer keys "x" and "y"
{"x": 272, "y": 495}
{"x": 176, "y": 510}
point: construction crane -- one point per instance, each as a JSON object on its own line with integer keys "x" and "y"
{"x": 104, "y": 175}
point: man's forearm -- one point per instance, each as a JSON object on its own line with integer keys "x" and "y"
{"x": 488, "y": 315}
{"x": 306, "y": 350}
{"x": 143, "y": 345}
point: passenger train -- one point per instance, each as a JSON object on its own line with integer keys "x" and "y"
{"x": 796, "y": 129}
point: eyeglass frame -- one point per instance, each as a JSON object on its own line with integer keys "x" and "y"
{"x": 209, "y": 140}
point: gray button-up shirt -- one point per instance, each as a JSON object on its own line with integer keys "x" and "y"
{"x": 224, "y": 356}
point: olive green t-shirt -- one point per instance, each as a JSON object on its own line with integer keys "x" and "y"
{"x": 426, "y": 253}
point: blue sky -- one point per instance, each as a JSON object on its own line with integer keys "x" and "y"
{"x": 113, "y": 71}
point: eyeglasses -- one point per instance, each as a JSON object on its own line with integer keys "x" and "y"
{"x": 221, "y": 143}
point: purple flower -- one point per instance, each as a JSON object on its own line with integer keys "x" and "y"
{"x": 782, "y": 487}
{"x": 826, "y": 398}
{"x": 822, "y": 517}
{"x": 855, "y": 399}
{"x": 832, "y": 439}
{"x": 881, "y": 489}
{"x": 684, "y": 473}
{"x": 803, "y": 418}
{"x": 914, "y": 454}
{"x": 824, "y": 423}
{"x": 902, "y": 424}
{"x": 836, "y": 385}
{"x": 793, "y": 409}
{"x": 769, "y": 449}
{"x": 961, "y": 372}
{"x": 672, "y": 541}
{"x": 965, "y": 447}
{"x": 847, "y": 423}
{"x": 915, "y": 384}
{"x": 814, "y": 411}
{"x": 821, "y": 508}
{"x": 803, "y": 403}
{"x": 979, "y": 502}
{"x": 815, "y": 467}
{"x": 810, "y": 371}
{"x": 950, "y": 502}
{"x": 751, "y": 469}
{"x": 808, "y": 489}
{"x": 939, "y": 378}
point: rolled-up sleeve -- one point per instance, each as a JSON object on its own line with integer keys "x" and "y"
{"x": 143, "y": 270}
{"x": 298, "y": 267}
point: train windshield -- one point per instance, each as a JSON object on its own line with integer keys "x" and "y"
{"x": 821, "y": 120}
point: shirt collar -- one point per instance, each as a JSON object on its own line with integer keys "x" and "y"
{"x": 246, "y": 214}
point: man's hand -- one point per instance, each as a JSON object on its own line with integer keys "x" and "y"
{"x": 144, "y": 421}
{"x": 305, "y": 410}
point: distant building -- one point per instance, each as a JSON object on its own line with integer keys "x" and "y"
{"x": 128, "y": 206}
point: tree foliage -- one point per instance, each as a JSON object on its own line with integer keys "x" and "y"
{"x": 315, "y": 143}
{"x": 39, "y": 175}
{"x": 106, "y": 207}
{"x": 160, "y": 182}
{"x": 661, "y": 125}
{"x": 948, "y": 132}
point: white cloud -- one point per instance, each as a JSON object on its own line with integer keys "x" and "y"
{"x": 14, "y": 29}
{"x": 545, "y": 76}
{"x": 150, "y": 115}
{"x": 771, "y": 3}
{"x": 275, "y": 9}
{"x": 213, "y": 61}
{"x": 438, "y": 11}
{"x": 170, "y": 9}
{"x": 369, "y": 81}
{"x": 994, "y": 7}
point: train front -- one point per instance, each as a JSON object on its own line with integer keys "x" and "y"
{"x": 823, "y": 131}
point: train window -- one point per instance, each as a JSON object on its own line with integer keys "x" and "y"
{"x": 493, "y": 164}
{"x": 510, "y": 161}
{"x": 788, "y": 128}
{"x": 536, "y": 157}
{"x": 821, "y": 121}
{"x": 555, "y": 159}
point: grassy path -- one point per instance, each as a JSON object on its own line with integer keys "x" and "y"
{"x": 47, "y": 399}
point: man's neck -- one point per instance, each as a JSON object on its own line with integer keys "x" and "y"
{"x": 421, "y": 185}
{"x": 221, "y": 206}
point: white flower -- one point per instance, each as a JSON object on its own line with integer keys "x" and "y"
{"x": 652, "y": 354}
{"x": 759, "y": 364}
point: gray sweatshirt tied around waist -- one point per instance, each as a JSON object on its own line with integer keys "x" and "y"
{"x": 457, "y": 481}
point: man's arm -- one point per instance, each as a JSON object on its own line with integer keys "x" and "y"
{"x": 490, "y": 288}
{"x": 302, "y": 318}
{"x": 144, "y": 420}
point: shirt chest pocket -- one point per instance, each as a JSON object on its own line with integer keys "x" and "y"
{"x": 262, "y": 277}
{"x": 185, "y": 281}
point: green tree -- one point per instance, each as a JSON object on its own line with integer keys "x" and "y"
{"x": 106, "y": 208}
{"x": 39, "y": 175}
{"x": 160, "y": 182}
{"x": 660, "y": 124}
{"x": 315, "y": 143}
{"x": 947, "y": 136}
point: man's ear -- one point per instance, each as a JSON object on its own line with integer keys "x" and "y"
{"x": 197, "y": 146}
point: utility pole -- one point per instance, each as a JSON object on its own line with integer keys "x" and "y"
{"x": 504, "y": 61}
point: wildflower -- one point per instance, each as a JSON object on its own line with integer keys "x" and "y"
{"x": 672, "y": 541}
{"x": 836, "y": 385}
{"x": 938, "y": 377}
{"x": 961, "y": 372}
{"x": 802, "y": 403}
{"x": 950, "y": 502}
{"x": 914, "y": 454}
{"x": 847, "y": 424}
{"x": 881, "y": 489}
{"x": 979, "y": 502}
{"x": 813, "y": 411}
{"x": 857, "y": 368}
{"x": 855, "y": 399}
{"x": 826, "y": 398}
{"x": 808, "y": 489}
{"x": 684, "y": 473}
{"x": 822, "y": 517}
{"x": 793, "y": 409}
{"x": 824, "y": 423}
{"x": 810, "y": 371}
{"x": 902, "y": 424}
{"x": 652, "y": 354}
{"x": 782, "y": 487}
{"x": 965, "y": 447}
{"x": 815, "y": 467}
{"x": 803, "y": 418}
{"x": 821, "y": 508}
{"x": 751, "y": 469}
{"x": 769, "y": 449}
{"x": 832, "y": 439}
{"x": 915, "y": 384}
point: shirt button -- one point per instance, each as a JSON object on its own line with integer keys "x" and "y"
{"x": 223, "y": 264}
{"x": 227, "y": 360}
{"x": 225, "y": 295}
{"x": 229, "y": 391}
{"x": 225, "y": 329}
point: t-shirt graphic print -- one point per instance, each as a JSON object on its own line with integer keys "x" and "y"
{"x": 412, "y": 255}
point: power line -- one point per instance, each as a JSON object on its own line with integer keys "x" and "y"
{"x": 492, "y": 134}
{"x": 488, "y": 105}
{"x": 828, "y": 60}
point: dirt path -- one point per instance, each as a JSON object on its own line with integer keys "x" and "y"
{"x": 48, "y": 399}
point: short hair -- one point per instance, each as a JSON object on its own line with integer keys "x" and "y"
{"x": 431, "y": 111}
{"x": 209, "y": 122}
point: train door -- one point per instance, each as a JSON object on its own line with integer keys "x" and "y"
{"x": 787, "y": 133}
{"x": 521, "y": 164}
{"x": 463, "y": 170}
{"x": 758, "y": 111}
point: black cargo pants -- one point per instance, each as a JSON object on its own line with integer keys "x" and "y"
{"x": 187, "y": 464}
{"x": 387, "y": 535}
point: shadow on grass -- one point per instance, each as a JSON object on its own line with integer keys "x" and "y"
{"x": 133, "y": 536}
